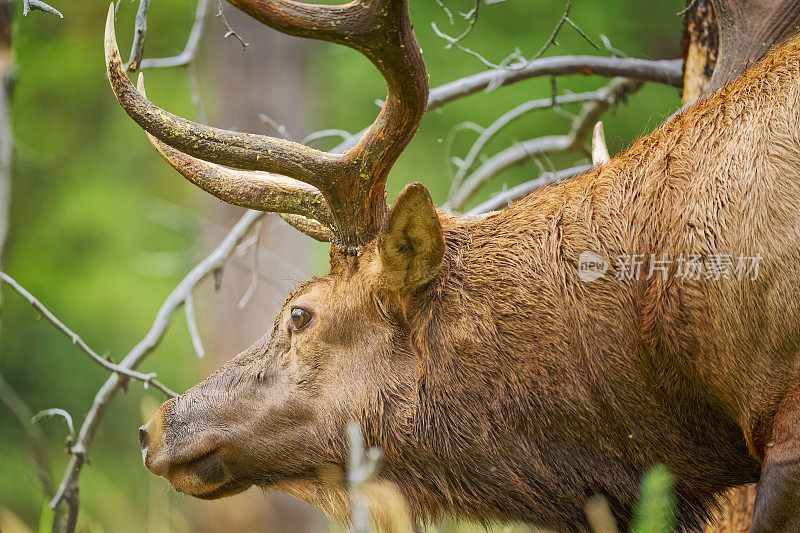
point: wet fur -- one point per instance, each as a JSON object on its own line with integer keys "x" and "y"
{"x": 506, "y": 388}
{"x": 538, "y": 390}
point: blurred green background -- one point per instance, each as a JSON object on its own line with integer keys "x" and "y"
{"x": 101, "y": 229}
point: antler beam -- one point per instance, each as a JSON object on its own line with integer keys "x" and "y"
{"x": 241, "y": 168}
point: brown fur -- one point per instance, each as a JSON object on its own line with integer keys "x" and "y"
{"x": 506, "y": 388}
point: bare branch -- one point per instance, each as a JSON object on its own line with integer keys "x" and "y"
{"x": 38, "y": 5}
{"x": 552, "y": 39}
{"x": 68, "y": 489}
{"x": 453, "y": 41}
{"x": 191, "y": 324}
{"x": 60, "y": 413}
{"x": 666, "y": 71}
{"x": 507, "y": 118}
{"x": 614, "y": 92}
{"x": 616, "y": 52}
{"x": 446, "y": 11}
{"x": 580, "y": 32}
{"x": 147, "y": 379}
{"x": 450, "y": 139}
{"x": 515, "y": 155}
{"x": 229, "y": 32}
{"x": 187, "y": 58}
{"x": 521, "y": 61}
{"x": 472, "y": 19}
{"x": 189, "y": 53}
{"x": 522, "y": 190}
{"x": 139, "y": 35}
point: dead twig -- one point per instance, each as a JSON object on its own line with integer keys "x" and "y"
{"x": 38, "y": 5}
{"x": 146, "y": 379}
{"x": 139, "y": 36}
{"x": 229, "y": 32}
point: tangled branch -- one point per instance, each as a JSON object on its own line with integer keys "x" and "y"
{"x": 67, "y": 493}
{"x": 666, "y": 71}
{"x": 515, "y": 60}
{"x": 579, "y": 134}
{"x": 486, "y": 134}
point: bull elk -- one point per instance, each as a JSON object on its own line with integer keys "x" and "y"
{"x": 499, "y": 384}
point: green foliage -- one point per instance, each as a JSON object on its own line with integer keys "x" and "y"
{"x": 87, "y": 189}
{"x": 655, "y": 512}
{"x": 46, "y": 519}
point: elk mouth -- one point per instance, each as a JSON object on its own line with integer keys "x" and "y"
{"x": 229, "y": 488}
{"x": 204, "y": 476}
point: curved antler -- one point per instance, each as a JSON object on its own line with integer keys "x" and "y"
{"x": 240, "y": 168}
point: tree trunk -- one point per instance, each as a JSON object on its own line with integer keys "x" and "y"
{"x": 269, "y": 77}
{"x": 723, "y": 38}
{"x": 700, "y": 45}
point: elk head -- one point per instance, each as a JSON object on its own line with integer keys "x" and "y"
{"x": 340, "y": 348}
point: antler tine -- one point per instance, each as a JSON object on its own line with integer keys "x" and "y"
{"x": 337, "y": 23}
{"x": 231, "y": 148}
{"x": 381, "y": 30}
{"x": 261, "y": 191}
{"x": 353, "y": 184}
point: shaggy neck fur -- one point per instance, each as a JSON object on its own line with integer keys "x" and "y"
{"x": 538, "y": 390}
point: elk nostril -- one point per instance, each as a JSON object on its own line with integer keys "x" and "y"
{"x": 143, "y": 439}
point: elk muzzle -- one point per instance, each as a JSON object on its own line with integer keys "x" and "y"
{"x": 193, "y": 464}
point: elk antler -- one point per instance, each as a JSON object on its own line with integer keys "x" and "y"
{"x": 600, "y": 155}
{"x": 343, "y": 192}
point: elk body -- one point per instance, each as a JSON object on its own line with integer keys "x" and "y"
{"x": 498, "y": 384}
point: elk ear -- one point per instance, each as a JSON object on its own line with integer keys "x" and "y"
{"x": 410, "y": 245}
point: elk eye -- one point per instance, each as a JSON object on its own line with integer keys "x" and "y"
{"x": 300, "y": 318}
